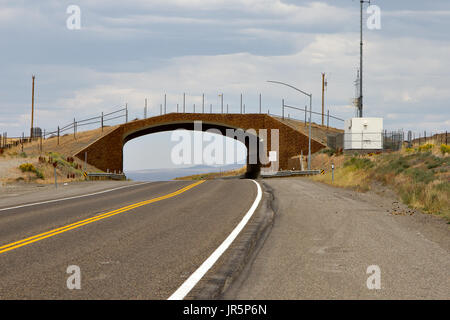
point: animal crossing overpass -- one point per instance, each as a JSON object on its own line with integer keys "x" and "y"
{"x": 106, "y": 153}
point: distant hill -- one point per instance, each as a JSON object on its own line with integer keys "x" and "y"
{"x": 224, "y": 167}
{"x": 172, "y": 173}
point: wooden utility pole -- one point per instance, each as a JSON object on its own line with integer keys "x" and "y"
{"x": 323, "y": 97}
{"x": 32, "y": 108}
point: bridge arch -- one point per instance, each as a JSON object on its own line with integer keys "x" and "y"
{"x": 106, "y": 153}
{"x": 253, "y": 169}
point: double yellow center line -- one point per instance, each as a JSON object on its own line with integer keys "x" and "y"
{"x": 54, "y": 232}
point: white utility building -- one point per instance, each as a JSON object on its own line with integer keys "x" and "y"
{"x": 363, "y": 134}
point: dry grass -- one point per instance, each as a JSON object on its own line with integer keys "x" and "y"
{"x": 324, "y": 161}
{"x": 346, "y": 177}
{"x": 318, "y": 132}
{"x": 68, "y": 146}
{"x": 42, "y": 172}
{"x": 215, "y": 175}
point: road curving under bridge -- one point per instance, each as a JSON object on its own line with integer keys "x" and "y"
{"x": 144, "y": 252}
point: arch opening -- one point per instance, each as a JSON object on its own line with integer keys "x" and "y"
{"x": 150, "y": 151}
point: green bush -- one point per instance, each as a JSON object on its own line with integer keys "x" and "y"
{"x": 420, "y": 175}
{"x": 445, "y": 148}
{"x": 434, "y": 162}
{"x": 39, "y": 174}
{"x": 398, "y": 165}
{"x": 27, "y": 167}
{"x": 359, "y": 163}
{"x": 426, "y": 147}
{"x": 328, "y": 151}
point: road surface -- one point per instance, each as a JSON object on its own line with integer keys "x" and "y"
{"x": 324, "y": 239}
{"x": 141, "y": 252}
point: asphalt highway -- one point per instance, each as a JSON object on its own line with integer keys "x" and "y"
{"x": 139, "y": 242}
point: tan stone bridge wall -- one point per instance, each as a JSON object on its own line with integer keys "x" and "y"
{"x": 107, "y": 152}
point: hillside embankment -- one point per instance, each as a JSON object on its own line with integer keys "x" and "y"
{"x": 419, "y": 177}
{"x": 33, "y": 162}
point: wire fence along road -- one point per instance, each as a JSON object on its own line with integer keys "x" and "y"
{"x": 383, "y": 140}
{"x": 103, "y": 119}
{"x": 437, "y": 138}
{"x": 310, "y": 112}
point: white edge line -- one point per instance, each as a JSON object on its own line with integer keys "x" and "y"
{"x": 74, "y": 197}
{"x": 190, "y": 282}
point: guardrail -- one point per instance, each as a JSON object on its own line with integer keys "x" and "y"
{"x": 289, "y": 173}
{"x": 105, "y": 176}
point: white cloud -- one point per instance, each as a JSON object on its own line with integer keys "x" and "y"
{"x": 404, "y": 75}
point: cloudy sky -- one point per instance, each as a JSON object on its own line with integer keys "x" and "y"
{"x": 127, "y": 51}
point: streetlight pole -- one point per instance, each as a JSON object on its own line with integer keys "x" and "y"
{"x": 32, "y": 107}
{"x": 310, "y": 114}
{"x": 361, "y": 63}
{"x": 309, "y": 135}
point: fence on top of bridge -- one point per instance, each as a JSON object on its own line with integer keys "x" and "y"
{"x": 123, "y": 113}
{"x": 392, "y": 140}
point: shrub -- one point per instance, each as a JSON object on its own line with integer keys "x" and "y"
{"x": 328, "y": 151}
{"x": 426, "y": 147}
{"x": 434, "y": 162}
{"x": 359, "y": 163}
{"x": 39, "y": 174}
{"x": 420, "y": 175}
{"x": 445, "y": 148}
{"x": 23, "y": 155}
{"x": 27, "y": 167}
{"x": 398, "y": 165}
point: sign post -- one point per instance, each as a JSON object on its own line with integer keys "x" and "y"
{"x": 54, "y": 169}
{"x": 332, "y": 172}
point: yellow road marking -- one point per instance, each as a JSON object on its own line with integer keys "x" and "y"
{"x": 51, "y": 233}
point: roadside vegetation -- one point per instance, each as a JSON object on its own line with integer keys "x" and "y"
{"x": 420, "y": 176}
{"x": 28, "y": 167}
{"x": 38, "y": 164}
{"x": 21, "y": 167}
{"x": 66, "y": 169}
